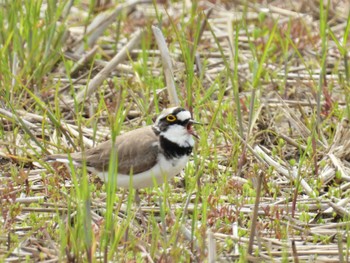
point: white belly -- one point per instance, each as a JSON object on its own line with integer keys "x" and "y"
{"x": 164, "y": 170}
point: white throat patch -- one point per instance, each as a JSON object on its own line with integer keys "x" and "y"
{"x": 178, "y": 134}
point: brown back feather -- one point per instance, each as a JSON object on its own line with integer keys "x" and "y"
{"x": 137, "y": 151}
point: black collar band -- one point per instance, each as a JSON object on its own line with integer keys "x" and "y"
{"x": 171, "y": 149}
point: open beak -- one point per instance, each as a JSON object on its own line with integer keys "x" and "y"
{"x": 190, "y": 127}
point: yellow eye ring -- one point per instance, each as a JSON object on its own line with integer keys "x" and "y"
{"x": 170, "y": 118}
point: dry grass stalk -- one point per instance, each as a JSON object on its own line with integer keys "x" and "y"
{"x": 104, "y": 73}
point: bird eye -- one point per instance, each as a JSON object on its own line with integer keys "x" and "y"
{"x": 170, "y": 118}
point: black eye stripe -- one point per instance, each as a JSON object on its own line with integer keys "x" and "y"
{"x": 183, "y": 123}
{"x": 177, "y": 121}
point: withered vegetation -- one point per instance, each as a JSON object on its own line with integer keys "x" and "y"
{"x": 269, "y": 81}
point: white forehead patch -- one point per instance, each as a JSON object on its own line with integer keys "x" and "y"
{"x": 183, "y": 115}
